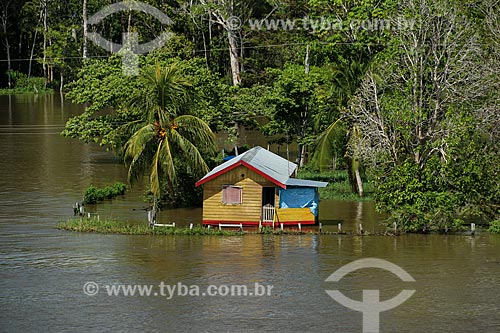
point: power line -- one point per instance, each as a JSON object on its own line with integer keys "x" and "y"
{"x": 210, "y": 50}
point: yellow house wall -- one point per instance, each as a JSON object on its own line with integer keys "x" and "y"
{"x": 251, "y": 207}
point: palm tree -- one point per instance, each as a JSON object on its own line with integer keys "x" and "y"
{"x": 346, "y": 79}
{"x": 169, "y": 134}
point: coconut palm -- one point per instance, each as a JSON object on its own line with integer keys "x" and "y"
{"x": 169, "y": 133}
{"x": 346, "y": 79}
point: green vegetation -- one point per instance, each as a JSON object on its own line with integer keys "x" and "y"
{"x": 116, "y": 227}
{"x": 168, "y": 135}
{"x": 412, "y": 108}
{"x": 93, "y": 195}
{"x": 495, "y": 227}
{"x": 24, "y": 85}
{"x": 339, "y": 187}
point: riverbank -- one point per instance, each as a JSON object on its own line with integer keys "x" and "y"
{"x": 94, "y": 225}
{"x": 338, "y": 186}
{"x": 25, "y": 91}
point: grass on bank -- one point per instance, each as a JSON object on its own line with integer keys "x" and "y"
{"x": 93, "y": 225}
{"x": 338, "y": 185}
{"x": 116, "y": 227}
{"x": 27, "y": 91}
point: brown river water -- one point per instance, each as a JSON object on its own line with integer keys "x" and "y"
{"x": 43, "y": 270}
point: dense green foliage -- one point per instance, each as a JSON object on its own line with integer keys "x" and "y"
{"x": 411, "y": 104}
{"x": 339, "y": 186}
{"x": 495, "y": 227}
{"x": 93, "y": 195}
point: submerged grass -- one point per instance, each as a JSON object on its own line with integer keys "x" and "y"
{"x": 25, "y": 91}
{"x": 94, "y": 225}
{"x": 338, "y": 185}
{"x": 116, "y": 227}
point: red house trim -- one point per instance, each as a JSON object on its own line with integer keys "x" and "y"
{"x": 231, "y": 167}
{"x": 256, "y": 223}
{"x": 217, "y": 174}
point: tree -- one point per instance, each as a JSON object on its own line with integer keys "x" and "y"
{"x": 430, "y": 74}
{"x": 168, "y": 133}
{"x": 8, "y": 9}
{"x": 295, "y": 100}
{"x": 419, "y": 111}
{"x": 345, "y": 80}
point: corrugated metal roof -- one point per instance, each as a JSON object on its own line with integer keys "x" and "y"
{"x": 275, "y": 168}
{"x": 304, "y": 183}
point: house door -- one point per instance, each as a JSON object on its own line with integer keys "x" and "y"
{"x": 268, "y": 196}
{"x": 268, "y": 204}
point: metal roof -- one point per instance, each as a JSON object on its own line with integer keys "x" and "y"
{"x": 271, "y": 166}
{"x": 304, "y": 183}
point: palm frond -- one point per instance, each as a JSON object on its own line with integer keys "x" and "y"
{"x": 196, "y": 131}
{"x": 136, "y": 151}
{"x": 154, "y": 175}
{"x": 190, "y": 152}
{"x": 168, "y": 92}
{"x": 167, "y": 163}
{"x": 323, "y": 153}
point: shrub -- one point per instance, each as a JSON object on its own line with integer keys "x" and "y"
{"x": 93, "y": 195}
{"x": 495, "y": 227}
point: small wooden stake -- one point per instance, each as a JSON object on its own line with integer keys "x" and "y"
{"x": 340, "y": 227}
{"x": 473, "y": 229}
{"x": 300, "y": 227}
{"x": 190, "y": 226}
{"x": 360, "y": 229}
{"x": 320, "y": 227}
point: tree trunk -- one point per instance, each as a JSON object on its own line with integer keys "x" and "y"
{"x": 233, "y": 55}
{"x": 358, "y": 180}
{"x": 45, "y": 28}
{"x": 34, "y": 43}
{"x": 85, "y": 33}
{"x": 303, "y": 116}
{"x": 7, "y": 46}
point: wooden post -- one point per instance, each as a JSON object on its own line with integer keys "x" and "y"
{"x": 281, "y": 226}
{"x": 300, "y": 227}
{"x": 395, "y": 228}
{"x": 339, "y": 226}
{"x": 360, "y": 229}
{"x": 208, "y": 227}
{"x": 320, "y": 228}
{"x": 473, "y": 229}
{"x": 190, "y": 226}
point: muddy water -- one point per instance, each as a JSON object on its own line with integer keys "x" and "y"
{"x": 43, "y": 270}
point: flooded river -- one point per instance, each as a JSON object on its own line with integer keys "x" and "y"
{"x": 43, "y": 270}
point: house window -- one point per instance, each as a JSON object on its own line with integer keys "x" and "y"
{"x": 232, "y": 194}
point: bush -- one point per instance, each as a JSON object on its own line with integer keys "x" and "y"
{"x": 23, "y": 83}
{"x": 495, "y": 227}
{"x": 93, "y": 195}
